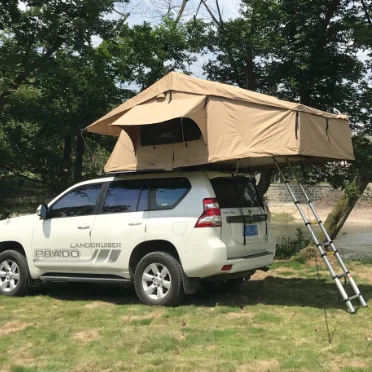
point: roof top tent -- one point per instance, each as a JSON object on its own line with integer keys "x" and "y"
{"x": 181, "y": 121}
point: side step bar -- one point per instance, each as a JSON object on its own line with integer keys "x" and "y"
{"x": 83, "y": 279}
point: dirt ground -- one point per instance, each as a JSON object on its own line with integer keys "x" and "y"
{"x": 361, "y": 214}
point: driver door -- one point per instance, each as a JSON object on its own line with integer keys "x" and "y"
{"x": 62, "y": 240}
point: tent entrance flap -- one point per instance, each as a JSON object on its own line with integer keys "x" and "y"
{"x": 164, "y": 110}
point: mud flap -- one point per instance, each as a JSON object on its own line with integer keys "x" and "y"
{"x": 190, "y": 285}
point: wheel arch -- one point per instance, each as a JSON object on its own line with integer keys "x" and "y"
{"x": 190, "y": 285}
{"x": 12, "y": 245}
{"x": 142, "y": 249}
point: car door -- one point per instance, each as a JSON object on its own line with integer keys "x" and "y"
{"x": 121, "y": 224}
{"x": 62, "y": 240}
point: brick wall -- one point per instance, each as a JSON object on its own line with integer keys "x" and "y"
{"x": 280, "y": 194}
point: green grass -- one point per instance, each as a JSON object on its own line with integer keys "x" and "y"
{"x": 275, "y": 323}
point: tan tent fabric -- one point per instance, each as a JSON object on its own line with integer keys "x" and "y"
{"x": 236, "y": 125}
{"x": 166, "y": 108}
{"x": 156, "y": 111}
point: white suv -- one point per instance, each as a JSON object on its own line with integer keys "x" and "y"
{"x": 164, "y": 232}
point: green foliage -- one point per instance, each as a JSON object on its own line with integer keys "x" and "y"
{"x": 287, "y": 247}
{"x": 54, "y": 81}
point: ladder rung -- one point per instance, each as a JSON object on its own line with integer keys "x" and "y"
{"x": 339, "y": 276}
{"x": 354, "y": 297}
{"x": 328, "y": 254}
{"x": 313, "y": 222}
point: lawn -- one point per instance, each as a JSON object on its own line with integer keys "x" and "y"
{"x": 275, "y": 323}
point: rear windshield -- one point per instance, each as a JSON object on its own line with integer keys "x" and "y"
{"x": 235, "y": 192}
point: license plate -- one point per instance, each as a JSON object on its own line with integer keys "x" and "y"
{"x": 250, "y": 230}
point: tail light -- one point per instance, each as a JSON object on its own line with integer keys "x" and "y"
{"x": 211, "y": 216}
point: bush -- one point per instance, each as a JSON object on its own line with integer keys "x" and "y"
{"x": 288, "y": 247}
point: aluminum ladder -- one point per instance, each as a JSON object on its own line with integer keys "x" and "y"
{"x": 329, "y": 242}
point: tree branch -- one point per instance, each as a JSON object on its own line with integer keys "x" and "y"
{"x": 22, "y": 176}
{"x": 124, "y": 15}
{"x": 221, "y": 26}
{"x": 366, "y": 13}
{"x": 182, "y": 9}
{"x": 219, "y": 11}
{"x": 215, "y": 20}
{"x": 4, "y": 96}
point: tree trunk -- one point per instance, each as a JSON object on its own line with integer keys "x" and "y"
{"x": 265, "y": 181}
{"x": 344, "y": 206}
{"x": 250, "y": 84}
{"x": 78, "y": 164}
{"x": 182, "y": 9}
{"x": 366, "y": 13}
{"x": 3, "y": 101}
{"x": 66, "y": 163}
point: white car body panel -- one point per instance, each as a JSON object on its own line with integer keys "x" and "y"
{"x": 202, "y": 251}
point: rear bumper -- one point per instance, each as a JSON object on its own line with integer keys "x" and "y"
{"x": 203, "y": 261}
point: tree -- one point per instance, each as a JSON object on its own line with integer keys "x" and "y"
{"x": 143, "y": 54}
{"x": 319, "y": 66}
{"x": 243, "y": 49}
{"x": 45, "y": 52}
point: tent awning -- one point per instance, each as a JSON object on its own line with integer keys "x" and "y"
{"x": 161, "y": 109}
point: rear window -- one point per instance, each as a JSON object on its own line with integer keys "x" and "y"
{"x": 236, "y": 192}
{"x": 166, "y": 193}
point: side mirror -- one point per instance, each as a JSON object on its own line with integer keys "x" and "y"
{"x": 42, "y": 211}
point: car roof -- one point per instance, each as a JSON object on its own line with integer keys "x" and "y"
{"x": 154, "y": 174}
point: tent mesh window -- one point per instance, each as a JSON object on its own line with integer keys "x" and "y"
{"x": 172, "y": 131}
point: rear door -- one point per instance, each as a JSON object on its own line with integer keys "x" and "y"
{"x": 120, "y": 225}
{"x": 244, "y": 222}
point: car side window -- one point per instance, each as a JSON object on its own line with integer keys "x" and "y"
{"x": 80, "y": 201}
{"x": 125, "y": 196}
{"x": 166, "y": 193}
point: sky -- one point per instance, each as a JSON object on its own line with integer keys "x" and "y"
{"x": 152, "y": 10}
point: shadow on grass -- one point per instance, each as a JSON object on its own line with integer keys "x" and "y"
{"x": 282, "y": 291}
{"x": 269, "y": 291}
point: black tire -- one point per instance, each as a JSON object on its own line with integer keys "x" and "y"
{"x": 174, "y": 295}
{"x": 225, "y": 286}
{"x": 22, "y": 287}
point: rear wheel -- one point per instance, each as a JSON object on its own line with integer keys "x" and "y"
{"x": 158, "y": 280}
{"x": 14, "y": 274}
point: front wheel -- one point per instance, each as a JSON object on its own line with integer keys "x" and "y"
{"x": 14, "y": 274}
{"x": 158, "y": 280}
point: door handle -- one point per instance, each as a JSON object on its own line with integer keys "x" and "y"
{"x": 134, "y": 223}
{"x": 83, "y": 227}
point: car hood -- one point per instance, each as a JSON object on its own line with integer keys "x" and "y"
{"x": 18, "y": 222}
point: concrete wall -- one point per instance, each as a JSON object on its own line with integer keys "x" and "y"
{"x": 279, "y": 193}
